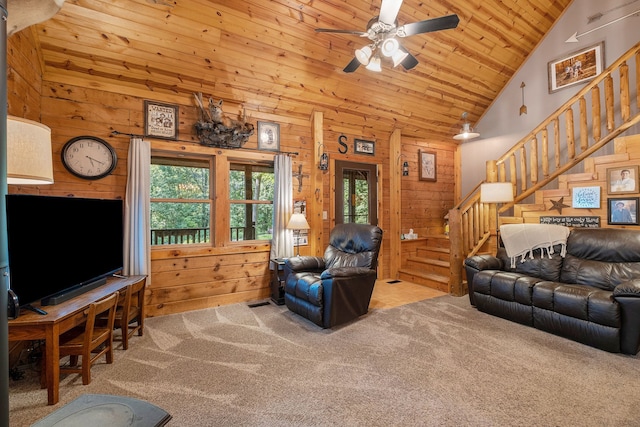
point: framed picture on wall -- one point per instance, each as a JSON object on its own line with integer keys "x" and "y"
{"x": 586, "y": 197}
{"x": 576, "y": 67}
{"x": 160, "y": 120}
{"x": 268, "y": 136}
{"x": 362, "y": 146}
{"x": 623, "y": 179}
{"x": 623, "y": 211}
{"x": 427, "y": 165}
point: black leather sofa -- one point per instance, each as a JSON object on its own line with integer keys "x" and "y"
{"x": 591, "y": 295}
{"x": 336, "y": 288}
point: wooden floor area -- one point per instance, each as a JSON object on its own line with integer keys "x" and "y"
{"x": 388, "y": 295}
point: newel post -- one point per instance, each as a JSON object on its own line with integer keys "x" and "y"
{"x": 456, "y": 254}
{"x": 492, "y": 176}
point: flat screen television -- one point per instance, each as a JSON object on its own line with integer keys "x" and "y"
{"x": 59, "y": 244}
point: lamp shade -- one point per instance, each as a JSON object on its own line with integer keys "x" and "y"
{"x": 28, "y": 152}
{"x": 374, "y": 64}
{"x": 496, "y": 192}
{"x": 389, "y": 47}
{"x": 364, "y": 55}
{"x": 298, "y": 222}
{"x": 466, "y": 131}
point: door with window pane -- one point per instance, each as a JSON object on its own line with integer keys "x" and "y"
{"x": 356, "y": 193}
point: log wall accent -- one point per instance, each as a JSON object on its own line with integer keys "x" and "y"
{"x": 196, "y": 277}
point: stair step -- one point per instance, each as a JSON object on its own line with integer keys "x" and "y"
{"x": 440, "y": 254}
{"x": 565, "y": 179}
{"x": 437, "y": 241}
{"x": 611, "y": 158}
{"x": 428, "y": 261}
{"x": 430, "y": 280}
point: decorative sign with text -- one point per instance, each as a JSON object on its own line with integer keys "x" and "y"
{"x": 572, "y": 221}
{"x": 586, "y": 197}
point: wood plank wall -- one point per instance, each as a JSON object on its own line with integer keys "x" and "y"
{"x": 192, "y": 278}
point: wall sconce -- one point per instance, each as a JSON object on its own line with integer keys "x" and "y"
{"x": 28, "y": 152}
{"x": 323, "y": 165}
{"x": 405, "y": 165}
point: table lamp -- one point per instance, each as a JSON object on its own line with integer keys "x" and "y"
{"x": 496, "y": 193}
{"x": 296, "y": 223}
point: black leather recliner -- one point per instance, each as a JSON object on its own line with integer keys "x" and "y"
{"x": 336, "y": 288}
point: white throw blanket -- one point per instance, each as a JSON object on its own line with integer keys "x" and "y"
{"x": 520, "y": 240}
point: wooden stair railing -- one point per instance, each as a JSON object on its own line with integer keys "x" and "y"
{"x": 531, "y": 165}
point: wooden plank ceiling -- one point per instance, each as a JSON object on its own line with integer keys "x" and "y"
{"x": 267, "y": 56}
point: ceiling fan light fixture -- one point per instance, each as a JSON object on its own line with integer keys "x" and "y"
{"x": 389, "y": 47}
{"x": 398, "y": 57}
{"x": 364, "y": 55}
{"x": 374, "y": 64}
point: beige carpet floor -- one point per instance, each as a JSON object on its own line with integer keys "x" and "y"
{"x": 437, "y": 362}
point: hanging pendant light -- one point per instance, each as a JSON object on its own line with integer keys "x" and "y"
{"x": 466, "y": 131}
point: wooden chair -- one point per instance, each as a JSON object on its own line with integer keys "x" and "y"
{"x": 91, "y": 340}
{"x": 129, "y": 316}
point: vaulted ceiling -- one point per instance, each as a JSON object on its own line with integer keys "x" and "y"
{"x": 266, "y": 55}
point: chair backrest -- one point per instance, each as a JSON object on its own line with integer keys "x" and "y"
{"x": 353, "y": 245}
{"x": 137, "y": 296}
{"x": 106, "y": 307}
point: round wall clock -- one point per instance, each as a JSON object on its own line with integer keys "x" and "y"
{"x": 89, "y": 157}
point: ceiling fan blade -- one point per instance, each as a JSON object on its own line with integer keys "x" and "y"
{"x": 389, "y": 11}
{"x": 409, "y": 62}
{"x": 331, "y": 30}
{"x": 429, "y": 25}
{"x": 352, "y": 66}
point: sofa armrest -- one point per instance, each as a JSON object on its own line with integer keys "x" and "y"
{"x": 347, "y": 293}
{"x": 629, "y": 288}
{"x": 483, "y": 262}
{"x": 627, "y": 294}
{"x": 297, "y": 264}
{"x": 345, "y": 272}
{"x": 478, "y": 263}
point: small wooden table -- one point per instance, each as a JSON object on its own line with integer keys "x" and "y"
{"x": 59, "y": 319}
{"x": 277, "y": 280}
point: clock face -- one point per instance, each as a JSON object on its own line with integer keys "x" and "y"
{"x": 89, "y": 157}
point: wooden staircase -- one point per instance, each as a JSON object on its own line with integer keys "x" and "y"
{"x": 627, "y": 154}
{"x": 541, "y": 168}
{"x": 427, "y": 262}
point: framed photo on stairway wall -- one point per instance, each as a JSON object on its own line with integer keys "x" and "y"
{"x": 623, "y": 179}
{"x": 576, "y": 67}
{"x": 623, "y": 211}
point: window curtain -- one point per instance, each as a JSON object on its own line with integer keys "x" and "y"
{"x": 282, "y": 241}
{"x": 137, "y": 231}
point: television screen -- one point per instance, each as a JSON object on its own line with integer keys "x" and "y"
{"x": 58, "y": 243}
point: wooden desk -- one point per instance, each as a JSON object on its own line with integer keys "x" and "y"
{"x": 59, "y": 319}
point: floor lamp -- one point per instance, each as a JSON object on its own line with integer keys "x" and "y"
{"x": 496, "y": 193}
{"x": 296, "y": 223}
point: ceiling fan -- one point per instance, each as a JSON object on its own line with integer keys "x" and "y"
{"x": 383, "y": 31}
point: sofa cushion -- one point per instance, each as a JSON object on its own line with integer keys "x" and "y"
{"x": 603, "y": 258}
{"x": 506, "y": 286}
{"x": 578, "y": 301}
{"x": 541, "y": 265}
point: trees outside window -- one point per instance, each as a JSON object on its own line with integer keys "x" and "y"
{"x": 251, "y": 201}
{"x": 182, "y": 201}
